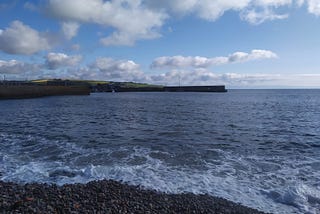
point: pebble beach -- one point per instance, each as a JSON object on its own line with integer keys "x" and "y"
{"x": 107, "y": 196}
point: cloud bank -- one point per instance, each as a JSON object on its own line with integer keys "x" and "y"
{"x": 60, "y": 65}
{"x": 188, "y": 70}
{"x": 16, "y": 67}
{"x": 53, "y": 61}
{"x": 205, "y": 77}
{"x": 203, "y": 62}
{"x": 236, "y": 80}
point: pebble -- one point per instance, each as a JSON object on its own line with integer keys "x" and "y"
{"x": 107, "y": 196}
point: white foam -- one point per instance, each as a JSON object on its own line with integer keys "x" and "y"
{"x": 163, "y": 178}
{"x": 270, "y": 184}
{"x": 305, "y": 198}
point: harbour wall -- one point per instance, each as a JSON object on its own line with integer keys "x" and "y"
{"x": 111, "y": 88}
{"x": 213, "y": 88}
{"x": 30, "y": 91}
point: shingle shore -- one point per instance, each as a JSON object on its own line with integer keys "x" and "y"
{"x": 107, "y": 196}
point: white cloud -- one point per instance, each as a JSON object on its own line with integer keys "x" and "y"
{"x": 117, "y": 70}
{"x": 254, "y": 17}
{"x": 253, "y": 55}
{"x": 198, "y": 62}
{"x": 22, "y": 39}
{"x": 52, "y": 62}
{"x": 10, "y": 67}
{"x": 254, "y": 11}
{"x": 130, "y": 19}
{"x": 109, "y": 64}
{"x": 211, "y": 10}
{"x": 274, "y": 3}
{"x": 206, "y": 9}
{"x": 181, "y": 61}
{"x": 70, "y": 29}
{"x": 127, "y": 38}
{"x": 58, "y": 60}
{"x": 314, "y": 7}
{"x": 100, "y": 69}
{"x": 17, "y": 67}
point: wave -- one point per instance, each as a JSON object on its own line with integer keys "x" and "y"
{"x": 265, "y": 183}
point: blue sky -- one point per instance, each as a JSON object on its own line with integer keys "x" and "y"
{"x": 238, "y": 43}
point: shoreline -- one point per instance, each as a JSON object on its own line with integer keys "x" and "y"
{"x": 25, "y": 90}
{"x": 107, "y": 196}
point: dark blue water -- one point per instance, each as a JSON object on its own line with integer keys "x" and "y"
{"x": 257, "y": 147}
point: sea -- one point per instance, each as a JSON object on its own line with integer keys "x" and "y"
{"x": 260, "y": 148}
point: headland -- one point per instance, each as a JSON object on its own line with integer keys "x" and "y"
{"x": 58, "y": 87}
{"x": 30, "y": 89}
{"x": 138, "y": 87}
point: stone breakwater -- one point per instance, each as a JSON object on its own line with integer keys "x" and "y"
{"x": 107, "y": 196}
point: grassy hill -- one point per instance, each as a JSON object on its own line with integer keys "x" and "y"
{"x": 100, "y": 82}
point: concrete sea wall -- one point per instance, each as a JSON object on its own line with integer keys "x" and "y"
{"x": 112, "y": 88}
{"x": 214, "y": 88}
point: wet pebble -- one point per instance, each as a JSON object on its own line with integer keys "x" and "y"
{"x": 107, "y": 196}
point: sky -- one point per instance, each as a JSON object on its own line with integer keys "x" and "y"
{"x": 237, "y": 43}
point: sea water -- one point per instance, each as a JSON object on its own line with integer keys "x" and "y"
{"x": 260, "y": 148}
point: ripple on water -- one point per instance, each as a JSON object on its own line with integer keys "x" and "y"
{"x": 260, "y": 148}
